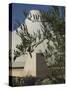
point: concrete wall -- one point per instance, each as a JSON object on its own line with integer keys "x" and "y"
{"x": 16, "y": 72}
{"x": 35, "y": 67}
{"x": 41, "y": 67}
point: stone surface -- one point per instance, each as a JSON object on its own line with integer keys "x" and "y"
{"x": 36, "y": 66}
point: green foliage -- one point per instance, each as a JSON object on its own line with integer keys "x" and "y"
{"x": 29, "y": 80}
{"x": 58, "y": 26}
{"x": 54, "y": 30}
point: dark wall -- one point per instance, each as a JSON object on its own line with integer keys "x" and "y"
{"x": 41, "y": 67}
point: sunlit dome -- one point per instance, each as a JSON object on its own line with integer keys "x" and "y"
{"x": 34, "y": 15}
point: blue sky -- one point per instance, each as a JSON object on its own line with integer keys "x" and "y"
{"x": 17, "y": 11}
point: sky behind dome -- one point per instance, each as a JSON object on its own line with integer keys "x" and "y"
{"x": 17, "y": 12}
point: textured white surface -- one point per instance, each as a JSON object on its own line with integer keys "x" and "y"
{"x": 30, "y": 65}
{"x": 20, "y": 61}
{"x": 34, "y": 24}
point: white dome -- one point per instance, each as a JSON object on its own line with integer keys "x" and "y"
{"x": 33, "y": 21}
{"x": 35, "y": 12}
{"x": 34, "y": 15}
